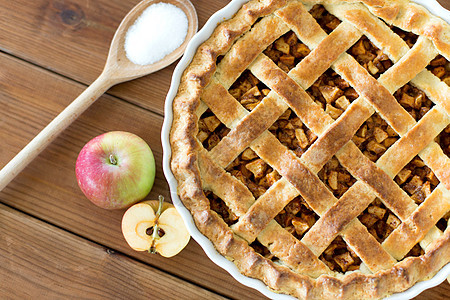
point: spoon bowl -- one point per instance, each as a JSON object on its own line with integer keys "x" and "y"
{"x": 117, "y": 61}
{"x": 118, "y": 68}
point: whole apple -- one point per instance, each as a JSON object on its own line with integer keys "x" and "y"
{"x": 115, "y": 170}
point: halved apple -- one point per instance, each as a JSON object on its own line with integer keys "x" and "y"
{"x": 155, "y": 226}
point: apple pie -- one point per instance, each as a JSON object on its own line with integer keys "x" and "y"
{"x": 311, "y": 144}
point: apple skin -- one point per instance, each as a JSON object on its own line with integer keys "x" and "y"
{"x": 115, "y": 184}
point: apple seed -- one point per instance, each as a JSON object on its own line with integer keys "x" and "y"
{"x": 156, "y": 228}
{"x": 161, "y": 231}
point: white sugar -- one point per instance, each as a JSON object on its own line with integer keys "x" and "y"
{"x": 160, "y": 29}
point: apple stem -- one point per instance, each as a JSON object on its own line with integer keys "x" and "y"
{"x": 155, "y": 235}
{"x": 112, "y": 159}
{"x": 160, "y": 205}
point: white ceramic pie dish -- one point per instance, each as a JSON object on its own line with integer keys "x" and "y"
{"x": 225, "y": 13}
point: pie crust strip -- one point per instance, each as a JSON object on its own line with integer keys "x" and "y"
{"x": 413, "y": 230}
{"x": 253, "y": 42}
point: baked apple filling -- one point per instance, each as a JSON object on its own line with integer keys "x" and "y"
{"x": 248, "y": 90}
{"x": 379, "y": 220}
{"x": 339, "y": 257}
{"x": 442, "y": 224}
{"x": 336, "y": 177}
{"x": 287, "y": 51}
{"x": 210, "y": 130}
{"x": 415, "y": 251}
{"x": 374, "y": 137}
{"x": 443, "y": 139}
{"x": 370, "y": 57}
{"x": 292, "y": 133}
{"x": 262, "y": 250}
{"x": 417, "y": 180}
{"x": 252, "y": 171}
{"x": 409, "y": 37}
{"x": 297, "y": 217}
{"x": 440, "y": 67}
{"x": 219, "y": 206}
{"x": 332, "y": 93}
{"x": 327, "y": 21}
{"x": 413, "y": 100}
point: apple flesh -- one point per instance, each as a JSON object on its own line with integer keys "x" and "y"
{"x": 115, "y": 170}
{"x": 156, "y": 227}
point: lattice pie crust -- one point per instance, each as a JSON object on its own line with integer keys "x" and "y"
{"x": 311, "y": 144}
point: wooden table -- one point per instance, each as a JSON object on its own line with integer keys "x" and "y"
{"x": 53, "y": 242}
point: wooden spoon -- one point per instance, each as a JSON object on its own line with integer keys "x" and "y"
{"x": 118, "y": 68}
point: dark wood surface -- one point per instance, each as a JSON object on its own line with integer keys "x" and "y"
{"x": 53, "y": 242}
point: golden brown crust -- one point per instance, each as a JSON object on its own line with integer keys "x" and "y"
{"x": 301, "y": 273}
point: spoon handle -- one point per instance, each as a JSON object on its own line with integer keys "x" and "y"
{"x": 55, "y": 127}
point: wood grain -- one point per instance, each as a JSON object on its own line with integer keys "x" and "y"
{"x": 49, "y": 262}
{"x": 52, "y": 49}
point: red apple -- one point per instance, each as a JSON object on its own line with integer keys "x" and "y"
{"x": 115, "y": 170}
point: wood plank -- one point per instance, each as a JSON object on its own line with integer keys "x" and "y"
{"x": 47, "y": 188}
{"x": 72, "y": 38}
{"x": 45, "y": 261}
